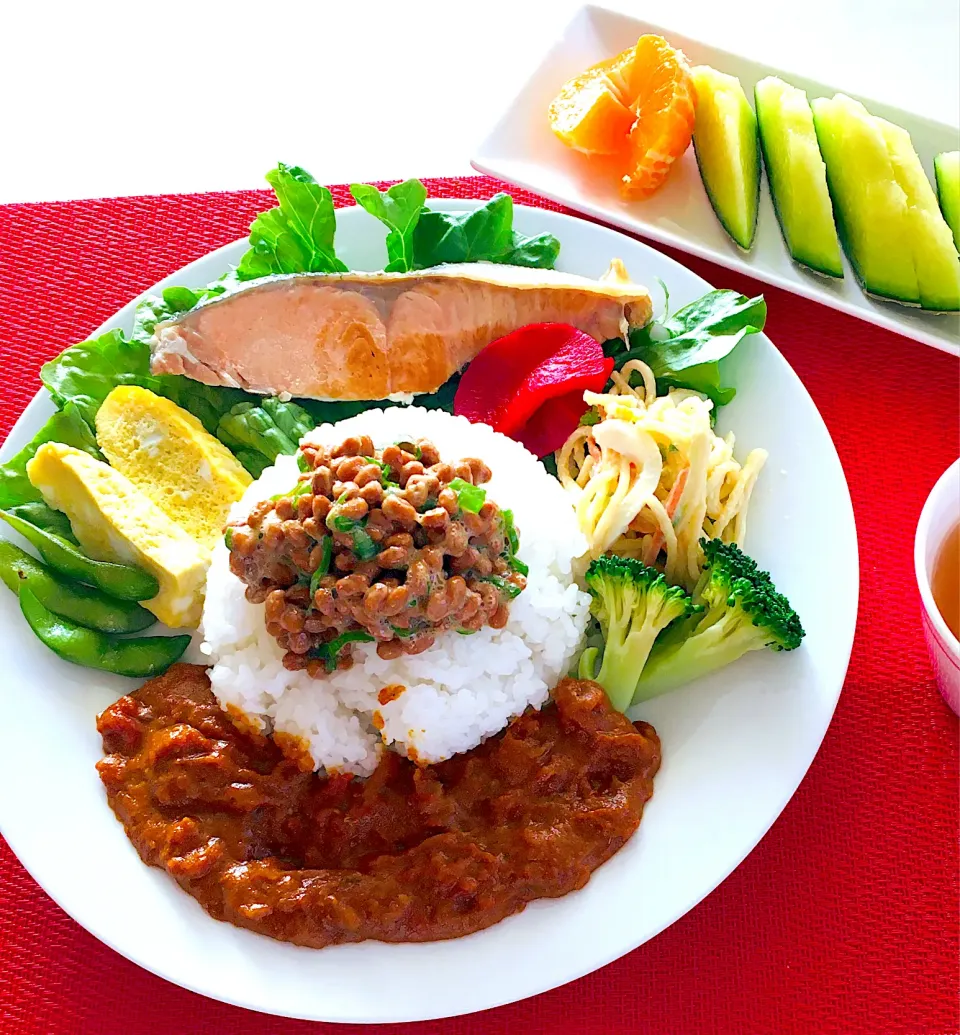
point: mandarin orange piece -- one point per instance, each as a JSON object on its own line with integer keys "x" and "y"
{"x": 665, "y": 104}
{"x": 591, "y": 113}
{"x": 640, "y": 105}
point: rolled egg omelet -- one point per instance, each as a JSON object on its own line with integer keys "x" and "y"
{"x": 114, "y": 521}
{"x": 170, "y": 457}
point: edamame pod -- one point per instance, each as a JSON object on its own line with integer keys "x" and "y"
{"x": 142, "y": 657}
{"x": 83, "y": 604}
{"x": 42, "y": 516}
{"x": 116, "y": 580}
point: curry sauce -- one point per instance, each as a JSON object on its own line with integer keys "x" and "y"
{"x": 409, "y": 854}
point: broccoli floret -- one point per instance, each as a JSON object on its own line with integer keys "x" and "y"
{"x": 633, "y": 604}
{"x": 739, "y": 610}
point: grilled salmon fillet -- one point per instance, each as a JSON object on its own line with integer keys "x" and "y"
{"x": 376, "y": 335}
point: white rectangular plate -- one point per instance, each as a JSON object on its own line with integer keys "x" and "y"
{"x": 522, "y": 150}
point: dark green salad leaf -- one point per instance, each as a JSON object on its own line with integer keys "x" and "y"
{"x": 398, "y": 208}
{"x": 297, "y": 236}
{"x": 709, "y": 328}
{"x": 325, "y": 412}
{"x": 66, "y": 426}
{"x": 684, "y": 350}
{"x": 703, "y": 378}
{"x": 485, "y": 234}
{"x": 420, "y": 238}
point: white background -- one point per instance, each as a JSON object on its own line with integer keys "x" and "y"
{"x": 140, "y": 98}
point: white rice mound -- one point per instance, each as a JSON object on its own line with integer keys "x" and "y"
{"x": 460, "y": 691}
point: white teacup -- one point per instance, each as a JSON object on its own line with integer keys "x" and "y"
{"x": 940, "y": 514}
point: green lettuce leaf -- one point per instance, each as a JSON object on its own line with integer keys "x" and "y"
{"x": 85, "y": 374}
{"x": 684, "y": 350}
{"x": 399, "y": 209}
{"x": 297, "y": 236}
{"x": 257, "y": 434}
{"x": 485, "y": 234}
{"x": 173, "y": 301}
{"x": 66, "y": 426}
{"x": 153, "y": 310}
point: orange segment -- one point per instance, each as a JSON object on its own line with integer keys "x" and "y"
{"x": 588, "y": 114}
{"x": 666, "y": 107}
{"x": 640, "y": 104}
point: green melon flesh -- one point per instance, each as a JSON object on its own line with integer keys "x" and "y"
{"x": 869, "y": 205}
{"x": 947, "y": 168}
{"x": 934, "y": 253}
{"x": 728, "y": 152}
{"x": 887, "y": 214}
{"x": 797, "y": 175}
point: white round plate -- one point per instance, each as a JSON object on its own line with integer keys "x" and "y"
{"x": 735, "y": 746}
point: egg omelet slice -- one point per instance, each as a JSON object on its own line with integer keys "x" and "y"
{"x": 169, "y": 456}
{"x": 114, "y": 521}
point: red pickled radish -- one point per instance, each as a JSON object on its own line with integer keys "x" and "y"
{"x": 553, "y": 423}
{"x": 541, "y": 367}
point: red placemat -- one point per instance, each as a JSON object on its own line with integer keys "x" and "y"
{"x": 844, "y": 919}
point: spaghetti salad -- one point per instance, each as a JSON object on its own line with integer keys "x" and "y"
{"x": 651, "y": 478}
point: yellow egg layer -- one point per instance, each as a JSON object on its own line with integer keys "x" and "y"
{"x": 114, "y": 521}
{"x": 167, "y": 454}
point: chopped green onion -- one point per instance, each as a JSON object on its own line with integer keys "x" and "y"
{"x": 471, "y": 497}
{"x": 300, "y": 489}
{"x": 340, "y": 523}
{"x": 513, "y": 544}
{"x": 363, "y": 546}
{"x": 401, "y": 632}
{"x": 329, "y": 651}
{"x": 314, "y": 585}
{"x": 410, "y": 447}
{"x": 323, "y": 567}
{"x": 384, "y": 468}
{"x": 228, "y": 538}
{"x": 510, "y": 530}
{"x": 466, "y": 632}
{"x": 509, "y": 588}
{"x": 326, "y": 555}
{"x": 302, "y": 462}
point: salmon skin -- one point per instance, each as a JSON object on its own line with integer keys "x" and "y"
{"x": 360, "y": 336}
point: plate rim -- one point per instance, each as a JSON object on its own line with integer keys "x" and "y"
{"x": 486, "y": 162}
{"x": 118, "y": 318}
